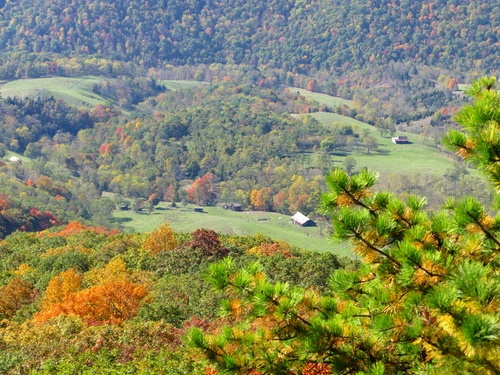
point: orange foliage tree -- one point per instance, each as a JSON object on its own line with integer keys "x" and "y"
{"x": 268, "y": 249}
{"x": 280, "y": 202}
{"x": 261, "y": 199}
{"x": 75, "y": 227}
{"x": 112, "y": 302}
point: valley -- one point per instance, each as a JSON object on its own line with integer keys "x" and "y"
{"x": 260, "y": 187}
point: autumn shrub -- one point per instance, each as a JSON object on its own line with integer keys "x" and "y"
{"x": 13, "y": 296}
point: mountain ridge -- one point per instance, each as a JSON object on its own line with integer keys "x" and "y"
{"x": 294, "y": 36}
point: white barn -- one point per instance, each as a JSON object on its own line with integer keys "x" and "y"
{"x": 302, "y": 220}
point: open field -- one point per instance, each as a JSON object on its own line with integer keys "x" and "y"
{"x": 9, "y": 154}
{"x": 181, "y": 84}
{"x": 331, "y": 101}
{"x": 421, "y": 156}
{"x": 274, "y": 225}
{"x": 74, "y": 91}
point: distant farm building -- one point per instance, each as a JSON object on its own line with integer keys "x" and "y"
{"x": 458, "y": 95}
{"x": 400, "y": 139}
{"x": 233, "y": 207}
{"x": 302, "y": 220}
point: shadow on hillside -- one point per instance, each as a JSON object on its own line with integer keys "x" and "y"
{"x": 121, "y": 220}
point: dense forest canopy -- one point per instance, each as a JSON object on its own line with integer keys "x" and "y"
{"x": 80, "y": 299}
{"x": 295, "y": 36}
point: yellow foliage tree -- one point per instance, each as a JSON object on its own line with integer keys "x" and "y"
{"x": 116, "y": 269}
{"x": 161, "y": 239}
{"x": 13, "y": 296}
{"x": 61, "y": 286}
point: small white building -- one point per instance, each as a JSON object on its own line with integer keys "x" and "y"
{"x": 14, "y": 158}
{"x": 400, "y": 139}
{"x": 302, "y": 220}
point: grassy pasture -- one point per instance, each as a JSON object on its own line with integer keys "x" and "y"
{"x": 273, "y": 225}
{"x": 9, "y": 154}
{"x": 74, "y": 91}
{"x": 181, "y": 84}
{"x": 331, "y": 101}
{"x": 421, "y": 156}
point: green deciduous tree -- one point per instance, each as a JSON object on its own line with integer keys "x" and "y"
{"x": 423, "y": 300}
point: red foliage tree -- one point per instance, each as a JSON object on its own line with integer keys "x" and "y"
{"x": 169, "y": 193}
{"x": 203, "y": 190}
{"x": 208, "y": 242}
{"x": 312, "y": 85}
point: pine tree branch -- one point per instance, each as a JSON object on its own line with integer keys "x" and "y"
{"x": 358, "y": 201}
{"x": 359, "y": 237}
{"x": 494, "y": 370}
{"x": 483, "y": 229}
{"x": 419, "y": 266}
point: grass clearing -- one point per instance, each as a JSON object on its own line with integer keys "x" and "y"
{"x": 9, "y": 154}
{"x": 273, "y": 225}
{"x": 175, "y": 85}
{"x": 421, "y": 156}
{"x": 74, "y": 91}
{"x": 331, "y": 101}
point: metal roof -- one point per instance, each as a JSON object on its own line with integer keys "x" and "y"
{"x": 300, "y": 218}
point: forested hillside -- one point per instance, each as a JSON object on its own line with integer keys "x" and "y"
{"x": 218, "y": 143}
{"x": 422, "y": 298}
{"x": 295, "y": 36}
{"x": 168, "y": 106}
{"x": 84, "y": 300}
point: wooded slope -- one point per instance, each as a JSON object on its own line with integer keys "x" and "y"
{"x": 294, "y": 35}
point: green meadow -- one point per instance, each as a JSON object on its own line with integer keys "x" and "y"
{"x": 74, "y": 91}
{"x": 174, "y": 85}
{"x": 331, "y": 101}
{"x": 273, "y": 225}
{"x": 420, "y": 156}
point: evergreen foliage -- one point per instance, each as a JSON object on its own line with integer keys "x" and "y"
{"x": 424, "y": 299}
